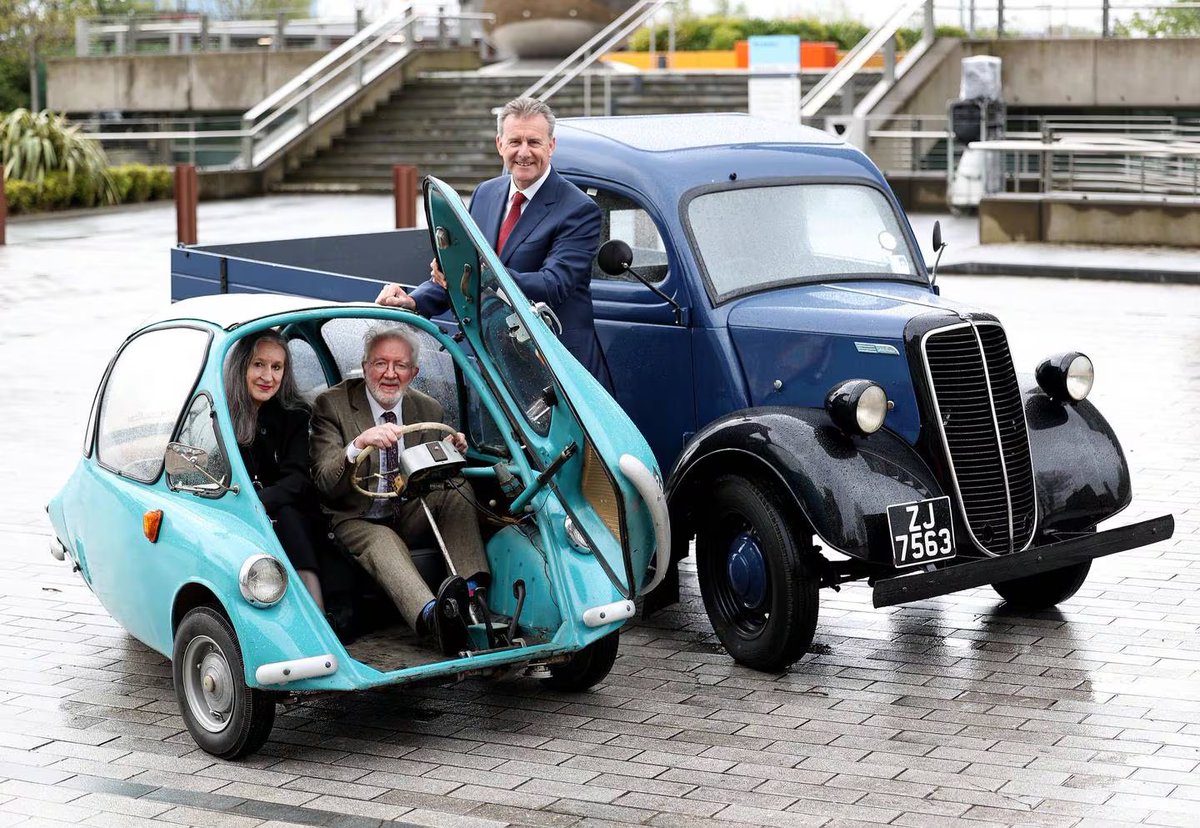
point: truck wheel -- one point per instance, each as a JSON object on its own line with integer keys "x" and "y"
{"x": 225, "y": 717}
{"x": 761, "y": 603}
{"x": 587, "y": 667}
{"x": 1039, "y": 592}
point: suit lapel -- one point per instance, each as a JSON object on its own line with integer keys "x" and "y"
{"x": 360, "y": 411}
{"x": 532, "y": 215}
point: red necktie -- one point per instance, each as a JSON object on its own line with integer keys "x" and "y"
{"x": 510, "y": 221}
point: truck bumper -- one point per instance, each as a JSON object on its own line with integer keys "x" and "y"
{"x": 918, "y": 586}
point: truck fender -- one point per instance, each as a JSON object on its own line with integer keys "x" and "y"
{"x": 841, "y": 485}
{"x": 1080, "y": 470}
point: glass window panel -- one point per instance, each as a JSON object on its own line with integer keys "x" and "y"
{"x": 755, "y": 237}
{"x": 199, "y": 430}
{"x": 147, "y": 389}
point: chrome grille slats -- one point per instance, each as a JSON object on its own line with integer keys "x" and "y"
{"x": 977, "y": 399}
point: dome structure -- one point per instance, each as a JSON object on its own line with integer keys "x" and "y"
{"x": 549, "y": 28}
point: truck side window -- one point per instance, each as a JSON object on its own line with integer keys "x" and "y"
{"x": 623, "y": 219}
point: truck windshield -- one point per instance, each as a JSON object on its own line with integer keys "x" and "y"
{"x": 751, "y": 238}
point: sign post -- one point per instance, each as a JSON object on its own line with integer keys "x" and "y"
{"x": 775, "y": 77}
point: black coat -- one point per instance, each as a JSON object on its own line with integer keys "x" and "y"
{"x": 278, "y": 459}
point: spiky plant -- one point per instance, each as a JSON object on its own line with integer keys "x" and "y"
{"x": 33, "y": 144}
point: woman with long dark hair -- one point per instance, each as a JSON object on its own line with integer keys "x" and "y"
{"x": 270, "y": 420}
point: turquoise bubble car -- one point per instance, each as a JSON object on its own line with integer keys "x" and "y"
{"x": 162, "y": 521}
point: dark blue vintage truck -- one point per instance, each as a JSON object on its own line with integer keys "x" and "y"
{"x": 825, "y": 414}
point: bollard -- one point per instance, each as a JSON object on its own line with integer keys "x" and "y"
{"x": 186, "y": 195}
{"x": 404, "y": 184}
{"x": 3, "y": 208}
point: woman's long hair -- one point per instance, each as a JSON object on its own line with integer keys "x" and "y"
{"x": 242, "y": 409}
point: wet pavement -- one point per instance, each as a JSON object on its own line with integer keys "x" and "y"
{"x": 948, "y": 711}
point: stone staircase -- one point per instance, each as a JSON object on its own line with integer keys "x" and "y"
{"x": 442, "y": 124}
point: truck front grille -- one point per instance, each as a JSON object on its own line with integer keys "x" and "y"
{"x": 977, "y": 400}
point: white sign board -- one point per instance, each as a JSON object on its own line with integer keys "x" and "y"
{"x": 775, "y": 77}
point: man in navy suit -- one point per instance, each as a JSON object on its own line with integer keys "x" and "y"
{"x": 545, "y": 229}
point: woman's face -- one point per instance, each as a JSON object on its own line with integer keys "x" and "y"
{"x": 265, "y": 371}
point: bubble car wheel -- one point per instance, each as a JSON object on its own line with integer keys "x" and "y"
{"x": 225, "y": 717}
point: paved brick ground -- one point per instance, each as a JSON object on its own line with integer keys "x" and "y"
{"x": 950, "y": 711}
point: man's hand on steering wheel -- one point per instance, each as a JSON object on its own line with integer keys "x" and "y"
{"x": 385, "y": 436}
{"x": 382, "y": 436}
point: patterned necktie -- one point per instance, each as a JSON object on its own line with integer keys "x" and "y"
{"x": 391, "y": 456}
{"x": 510, "y": 221}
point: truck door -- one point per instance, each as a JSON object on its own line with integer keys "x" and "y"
{"x": 645, "y": 340}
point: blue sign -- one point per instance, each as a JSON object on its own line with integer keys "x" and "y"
{"x": 775, "y": 53}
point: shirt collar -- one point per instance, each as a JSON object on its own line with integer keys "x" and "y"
{"x": 377, "y": 409}
{"x": 529, "y": 191}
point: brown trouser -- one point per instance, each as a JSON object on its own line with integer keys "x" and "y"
{"x": 380, "y": 547}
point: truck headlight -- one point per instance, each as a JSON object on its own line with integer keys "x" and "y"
{"x": 857, "y": 406}
{"x": 263, "y": 580}
{"x": 1066, "y": 377}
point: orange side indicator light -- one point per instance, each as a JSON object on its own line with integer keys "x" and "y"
{"x": 151, "y": 523}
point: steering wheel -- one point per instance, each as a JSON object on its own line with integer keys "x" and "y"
{"x": 401, "y": 482}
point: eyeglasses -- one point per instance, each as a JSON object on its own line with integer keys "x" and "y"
{"x": 381, "y": 366}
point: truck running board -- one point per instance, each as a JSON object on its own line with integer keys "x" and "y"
{"x": 955, "y": 577}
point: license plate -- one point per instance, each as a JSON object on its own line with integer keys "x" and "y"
{"x": 921, "y": 532}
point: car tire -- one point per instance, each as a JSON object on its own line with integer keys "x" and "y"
{"x": 765, "y": 619}
{"x": 1039, "y": 592}
{"x": 225, "y": 717}
{"x": 586, "y": 668}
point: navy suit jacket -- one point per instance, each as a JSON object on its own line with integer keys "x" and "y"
{"x": 549, "y": 254}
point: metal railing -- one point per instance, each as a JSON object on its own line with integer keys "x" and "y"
{"x": 204, "y": 141}
{"x": 1040, "y": 18}
{"x": 597, "y": 47}
{"x": 177, "y": 34}
{"x": 883, "y": 37}
{"x": 1148, "y": 155}
{"x": 286, "y": 114}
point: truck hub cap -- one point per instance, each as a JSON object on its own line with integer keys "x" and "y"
{"x": 208, "y": 684}
{"x": 746, "y": 570}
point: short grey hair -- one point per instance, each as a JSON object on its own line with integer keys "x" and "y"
{"x": 525, "y": 108}
{"x": 391, "y": 330}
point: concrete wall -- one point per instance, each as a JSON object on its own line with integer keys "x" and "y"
{"x": 1117, "y": 72}
{"x": 199, "y": 82}
{"x": 1092, "y": 218}
{"x": 1062, "y": 74}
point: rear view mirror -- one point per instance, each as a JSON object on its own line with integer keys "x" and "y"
{"x": 614, "y": 257}
{"x": 937, "y": 236}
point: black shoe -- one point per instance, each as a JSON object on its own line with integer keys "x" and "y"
{"x": 449, "y": 619}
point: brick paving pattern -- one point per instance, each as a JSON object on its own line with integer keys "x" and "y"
{"x": 952, "y": 711}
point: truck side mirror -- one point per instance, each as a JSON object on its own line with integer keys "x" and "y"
{"x": 614, "y": 257}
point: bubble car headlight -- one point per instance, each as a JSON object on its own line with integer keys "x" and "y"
{"x": 857, "y": 406}
{"x": 1066, "y": 377}
{"x": 263, "y": 580}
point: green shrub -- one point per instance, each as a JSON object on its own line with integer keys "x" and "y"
{"x": 57, "y": 191}
{"x": 21, "y": 196}
{"x": 87, "y": 192}
{"x": 162, "y": 182}
{"x": 139, "y": 183}
{"x": 35, "y": 144}
{"x": 121, "y": 183}
{"x": 724, "y": 37}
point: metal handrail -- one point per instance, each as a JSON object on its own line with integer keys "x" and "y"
{"x": 588, "y": 53}
{"x": 320, "y": 65}
{"x": 857, "y": 57}
{"x": 281, "y": 117}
